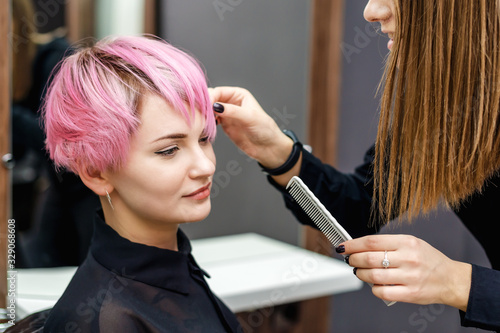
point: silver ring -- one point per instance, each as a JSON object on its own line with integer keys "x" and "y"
{"x": 386, "y": 261}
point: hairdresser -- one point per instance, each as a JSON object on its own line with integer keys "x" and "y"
{"x": 438, "y": 141}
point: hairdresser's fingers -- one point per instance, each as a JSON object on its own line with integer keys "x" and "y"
{"x": 393, "y": 292}
{"x": 238, "y": 104}
{"x": 375, "y": 259}
{"x": 232, "y": 95}
{"x": 381, "y": 276}
{"x": 374, "y": 243}
{"x": 247, "y": 125}
{"x": 211, "y": 93}
{"x": 232, "y": 111}
{"x": 223, "y": 94}
{"x": 248, "y": 117}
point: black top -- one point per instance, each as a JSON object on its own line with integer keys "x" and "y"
{"x": 129, "y": 287}
{"x": 349, "y": 198}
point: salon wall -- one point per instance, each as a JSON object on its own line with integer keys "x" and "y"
{"x": 263, "y": 46}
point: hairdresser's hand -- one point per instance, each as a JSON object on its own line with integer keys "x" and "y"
{"x": 252, "y": 129}
{"x": 418, "y": 273}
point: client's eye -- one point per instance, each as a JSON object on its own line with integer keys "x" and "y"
{"x": 168, "y": 152}
{"x": 205, "y": 139}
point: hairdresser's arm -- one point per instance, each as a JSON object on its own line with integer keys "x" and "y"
{"x": 347, "y": 196}
{"x": 483, "y": 308}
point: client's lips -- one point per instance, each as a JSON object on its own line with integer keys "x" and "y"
{"x": 200, "y": 193}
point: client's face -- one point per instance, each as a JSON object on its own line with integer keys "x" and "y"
{"x": 168, "y": 175}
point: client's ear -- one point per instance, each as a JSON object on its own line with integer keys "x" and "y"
{"x": 96, "y": 181}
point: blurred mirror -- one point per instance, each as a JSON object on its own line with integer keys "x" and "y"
{"x": 52, "y": 209}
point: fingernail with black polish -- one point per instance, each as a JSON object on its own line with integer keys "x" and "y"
{"x": 340, "y": 249}
{"x": 354, "y": 270}
{"x": 219, "y": 108}
{"x": 346, "y": 259}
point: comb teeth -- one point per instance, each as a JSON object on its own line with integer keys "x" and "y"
{"x": 317, "y": 212}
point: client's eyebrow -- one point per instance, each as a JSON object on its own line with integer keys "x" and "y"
{"x": 171, "y": 136}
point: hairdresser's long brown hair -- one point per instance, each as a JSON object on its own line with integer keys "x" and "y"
{"x": 439, "y": 129}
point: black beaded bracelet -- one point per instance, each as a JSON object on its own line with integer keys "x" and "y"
{"x": 292, "y": 158}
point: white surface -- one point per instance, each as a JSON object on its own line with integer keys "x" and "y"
{"x": 251, "y": 271}
{"x": 248, "y": 271}
{"x": 40, "y": 288}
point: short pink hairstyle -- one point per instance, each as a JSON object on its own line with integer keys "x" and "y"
{"x": 91, "y": 107}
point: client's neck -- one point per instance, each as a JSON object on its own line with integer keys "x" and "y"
{"x": 153, "y": 233}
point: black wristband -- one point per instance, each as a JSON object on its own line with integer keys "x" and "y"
{"x": 292, "y": 158}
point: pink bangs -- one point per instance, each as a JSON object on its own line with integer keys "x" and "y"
{"x": 90, "y": 110}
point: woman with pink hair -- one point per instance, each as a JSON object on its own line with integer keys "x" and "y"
{"x": 133, "y": 118}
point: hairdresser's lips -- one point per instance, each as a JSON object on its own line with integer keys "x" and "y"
{"x": 200, "y": 194}
{"x": 391, "y": 38}
{"x": 390, "y": 43}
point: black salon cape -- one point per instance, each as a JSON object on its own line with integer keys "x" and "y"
{"x": 129, "y": 287}
{"x": 349, "y": 198}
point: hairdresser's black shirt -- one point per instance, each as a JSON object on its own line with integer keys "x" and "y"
{"x": 349, "y": 198}
{"x": 129, "y": 287}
